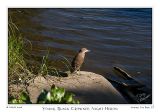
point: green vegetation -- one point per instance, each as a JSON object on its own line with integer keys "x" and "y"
{"x": 43, "y": 67}
{"x": 66, "y": 62}
{"x": 17, "y": 65}
{"x": 46, "y": 69}
{"x": 22, "y": 99}
{"x": 20, "y": 72}
{"x": 55, "y": 96}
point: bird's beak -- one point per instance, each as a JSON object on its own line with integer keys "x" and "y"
{"x": 88, "y": 51}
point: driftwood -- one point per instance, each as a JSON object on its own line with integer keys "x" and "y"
{"x": 132, "y": 90}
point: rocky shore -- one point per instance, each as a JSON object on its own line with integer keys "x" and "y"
{"x": 88, "y": 87}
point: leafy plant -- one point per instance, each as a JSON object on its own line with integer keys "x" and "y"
{"x": 56, "y": 95}
{"x": 22, "y": 99}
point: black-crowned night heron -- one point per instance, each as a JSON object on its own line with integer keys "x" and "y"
{"x": 78, "y": 60}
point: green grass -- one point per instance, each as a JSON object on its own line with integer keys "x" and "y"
{"x": 44, "y": 67}
{"x": 16, "y": 63}
{"x": 21, "y": 72}
{"x": 66, "y": 63}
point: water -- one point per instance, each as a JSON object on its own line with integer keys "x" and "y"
{"x": 116, "y": 37}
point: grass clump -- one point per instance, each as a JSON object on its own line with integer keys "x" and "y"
{"x": 21, "y": 72}
{"x": 16, "y": 63}
{"x": 44, "y": 65}
{"x": 66, "y": 63}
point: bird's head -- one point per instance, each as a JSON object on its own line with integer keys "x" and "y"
{"x": 84, "y": 50}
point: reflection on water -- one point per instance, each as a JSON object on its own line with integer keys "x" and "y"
{"x": 116, "y": 37}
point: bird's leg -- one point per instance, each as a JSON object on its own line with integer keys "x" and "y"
{"x": 79, "y": 71}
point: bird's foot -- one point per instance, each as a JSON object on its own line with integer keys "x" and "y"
{"x": 78, "y": 73}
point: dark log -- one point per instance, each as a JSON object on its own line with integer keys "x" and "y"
{"x": 123, "y": 73}
{"x": 132, "y": 90}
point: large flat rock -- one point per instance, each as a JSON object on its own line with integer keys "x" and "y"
{"x": 89, "y": 88}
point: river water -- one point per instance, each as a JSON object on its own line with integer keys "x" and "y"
{"x": 116, "y": 37}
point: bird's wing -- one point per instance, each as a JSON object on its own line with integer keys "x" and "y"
{"x": 77, "y": 61}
